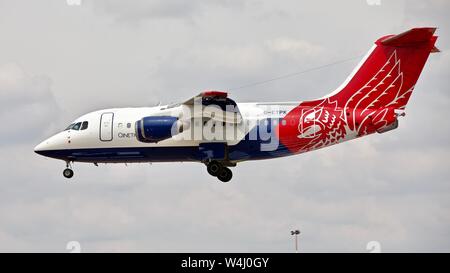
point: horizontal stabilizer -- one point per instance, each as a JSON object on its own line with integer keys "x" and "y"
{"x": 412, "y": 37}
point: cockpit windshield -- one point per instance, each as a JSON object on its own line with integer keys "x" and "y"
{"x": 69, "y": 127}
{"x": 77, "y": 126}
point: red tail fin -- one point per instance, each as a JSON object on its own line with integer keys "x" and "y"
{"x": 367, "y": 101}
{"x": 389, "y": 73}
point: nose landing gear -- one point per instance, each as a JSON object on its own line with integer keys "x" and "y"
{"x": 218, "y": 170}
{"x": 68, "y": 172}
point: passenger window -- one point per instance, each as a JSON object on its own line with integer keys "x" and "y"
{"x": 76, "y": 126}
{"x": 84, "y": 125}
{"x": 128, "y": 125}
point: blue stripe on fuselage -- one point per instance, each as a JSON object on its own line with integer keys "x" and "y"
{"x": 246, "y": 149}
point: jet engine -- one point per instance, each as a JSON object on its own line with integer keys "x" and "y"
{"x": 153, "y": 129}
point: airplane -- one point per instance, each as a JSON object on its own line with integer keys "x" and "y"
{"x": 213, "y": 129}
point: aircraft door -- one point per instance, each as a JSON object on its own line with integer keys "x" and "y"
{"x": 106, "y": 126}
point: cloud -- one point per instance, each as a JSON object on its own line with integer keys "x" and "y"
{"x": 141, "y": 10}
{"x": 28, "y": 105}
{"x": 227, "y": 66}
{"x": 392, "y": 188}
{"x": 293, "y": 48}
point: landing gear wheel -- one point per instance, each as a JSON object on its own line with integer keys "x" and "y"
{"x": 225, "y": 175}
{"x": 68, "y": 173}
{"x": 214, "y": 168}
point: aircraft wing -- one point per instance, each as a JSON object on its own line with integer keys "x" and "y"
{"x": 215, "y": 105}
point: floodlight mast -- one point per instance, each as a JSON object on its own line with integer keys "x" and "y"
{"x": 295, "y": 233}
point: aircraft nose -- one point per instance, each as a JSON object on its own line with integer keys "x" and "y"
{"x": 48, "y": 146}
{"x": 41, "y": 147}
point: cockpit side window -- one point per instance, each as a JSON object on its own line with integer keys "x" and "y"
{"x": 84, "y": 125}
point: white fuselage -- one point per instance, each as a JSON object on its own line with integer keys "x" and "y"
{"x": 115, "y": 128}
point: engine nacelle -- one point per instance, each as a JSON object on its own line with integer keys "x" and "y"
{"x": 156, "y": 128}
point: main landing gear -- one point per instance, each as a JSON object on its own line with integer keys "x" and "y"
{"x": 218, "y": 170}
{"x": 68, "y": 172}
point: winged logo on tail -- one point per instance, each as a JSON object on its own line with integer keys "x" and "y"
{"x": 370, "y": 100}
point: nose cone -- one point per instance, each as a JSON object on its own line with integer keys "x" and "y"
{"x": 41, "y": 147}
{"x": 51, "y": 145}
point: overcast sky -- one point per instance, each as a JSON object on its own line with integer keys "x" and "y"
{"x": 58, "y": 62}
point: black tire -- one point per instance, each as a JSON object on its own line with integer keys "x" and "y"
{"x": 225, "y": 175}
{"x": 214, "y": 168}
{"x": 68, "y": 173}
